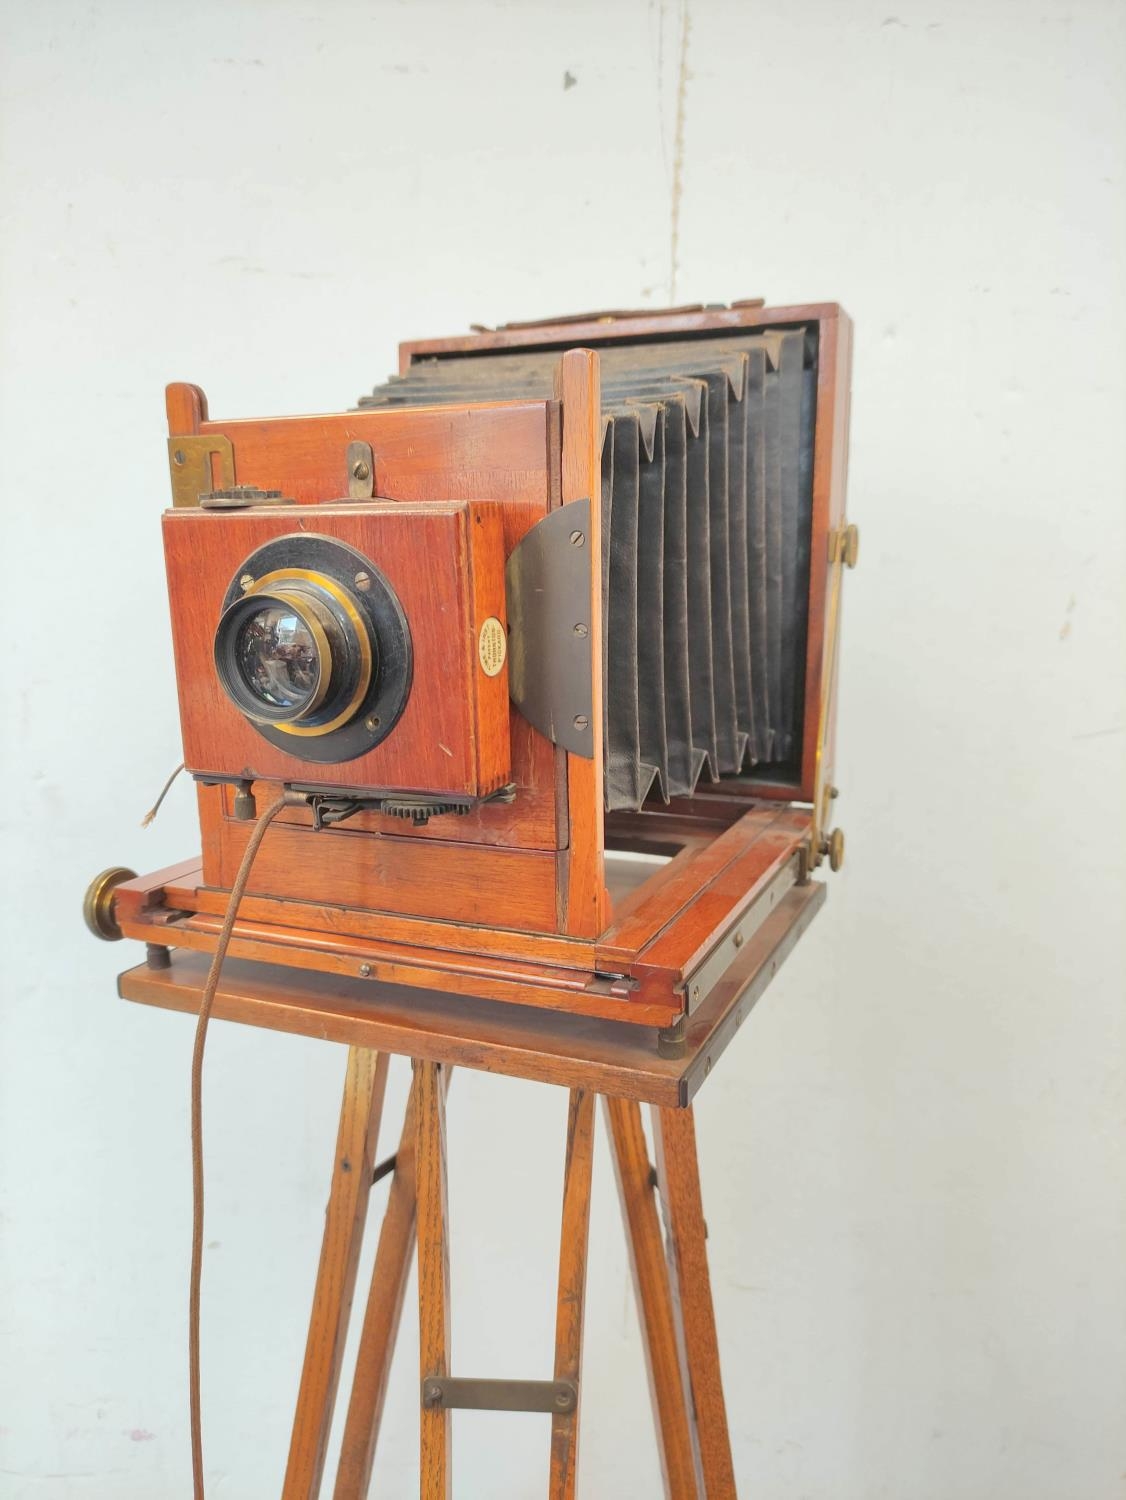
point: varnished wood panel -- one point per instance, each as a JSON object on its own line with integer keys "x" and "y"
{"x": 149, "y": 891}
{"x": 583, "y": 903}
{"x": 512, "y": 888}
{"x": 690, "y": 937}
{"x": 615, "y": 329}
{"x": 836, "y": 403}
{"x": 689, "y": 875}
{"x": 492, "y": 451}
{"x": 508, "y": 980}
{"x": 424, "y": 553}
{"x": 507, "y": 453}
{"x": 388, "y": 927}
{"x": 547, "y": 1046}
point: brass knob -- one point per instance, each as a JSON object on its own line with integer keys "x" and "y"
{"x": 850, "y": 546}
{"x": 836, "y": 849}
{"x": 97, "y": 904}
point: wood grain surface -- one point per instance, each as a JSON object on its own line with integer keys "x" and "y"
{"x": 433, "y": 1275}
{"x": 660, "y": 1332}
{"x": 549, "y": 1046}
{"x": 364, "y": 1089}
{"x": 425, "y": 554}
{"x": 678, "y": 1179}
{"x": 571, "y": 1298}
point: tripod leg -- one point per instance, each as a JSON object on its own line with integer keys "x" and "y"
{"x": 433, "y": 1274}
{"x": 381, "y": 1318}
{"x": 678, "y": 1176}
{"x": 364, "y": 1087}
{"x": 572, "y": 1287}
{"x": 660, "y": 1331}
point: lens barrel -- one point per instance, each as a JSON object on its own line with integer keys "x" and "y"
{"x": 313, "y": 648}
{"x": 296, "y": 652}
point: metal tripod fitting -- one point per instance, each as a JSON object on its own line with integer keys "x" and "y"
{"x": 245, "y": 808}
{"x": 672, "y": 1041}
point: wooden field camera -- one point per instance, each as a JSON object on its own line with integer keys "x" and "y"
{"x": 555, "y": 593}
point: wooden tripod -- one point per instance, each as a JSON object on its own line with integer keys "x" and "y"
{"x": 589, "y": 1057}
{"x": 673, "y": 1292}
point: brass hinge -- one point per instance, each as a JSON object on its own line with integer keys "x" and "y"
{"x": 189, "y": 464}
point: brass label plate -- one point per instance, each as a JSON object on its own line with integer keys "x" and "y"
{"x": 492, "y": 646}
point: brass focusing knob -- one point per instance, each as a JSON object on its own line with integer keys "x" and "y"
{"x": 97, "y": 904}
{"x": 835, "y": 848}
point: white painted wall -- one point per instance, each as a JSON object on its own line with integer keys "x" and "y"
{"x": 913, "y": 1154}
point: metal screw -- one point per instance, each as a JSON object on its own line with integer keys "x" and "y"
{"x": 738, "y": 940}
{"x": 562, "y": 1400}
{"x": 372, "y": 721}
{"x": 365, "y": 971}
{"x": 363, "y": 580}
{"x": 581, "y": 721}
{"x": 433, "y": 1395}
{"x": 246, "y": 581}
{"x": 581, "y": 629}
{"x": 578, "y": 538}
{"x": 178, "y": 458}
{"x": 695, "y": 994}
{"x": 361, "y": 470}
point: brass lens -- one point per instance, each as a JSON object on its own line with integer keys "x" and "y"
{"x": 295, "y": 653}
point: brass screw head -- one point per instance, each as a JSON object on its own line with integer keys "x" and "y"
{"x": 361, "y": 470}
{"x": 582, "y": 630}
{"x": 578, "y": 538}
{"x": 365, "y": 971}
{"x": 372, "y": 721}
{"x": 246, "y": 581}
{"x": 363, "y": 581}
{"x": 581, "y": 721}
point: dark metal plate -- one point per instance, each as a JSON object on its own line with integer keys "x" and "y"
{"x": 550, "y": 661}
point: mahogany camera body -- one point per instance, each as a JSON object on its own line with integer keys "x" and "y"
{"x": 411, "y": 616}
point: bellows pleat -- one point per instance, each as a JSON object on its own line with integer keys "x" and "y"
{"x": 707, "y": 496}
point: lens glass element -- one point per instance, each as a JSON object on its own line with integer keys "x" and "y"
{"x": 278, "y": 658}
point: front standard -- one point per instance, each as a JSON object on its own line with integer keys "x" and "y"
{"x": 338, "y": 647}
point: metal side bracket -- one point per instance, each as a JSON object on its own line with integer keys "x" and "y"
{"x": 189, "y": 463}
{"x": 550, "y": 650}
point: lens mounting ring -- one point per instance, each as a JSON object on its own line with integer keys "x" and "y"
{"x": 321, "y": 671}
